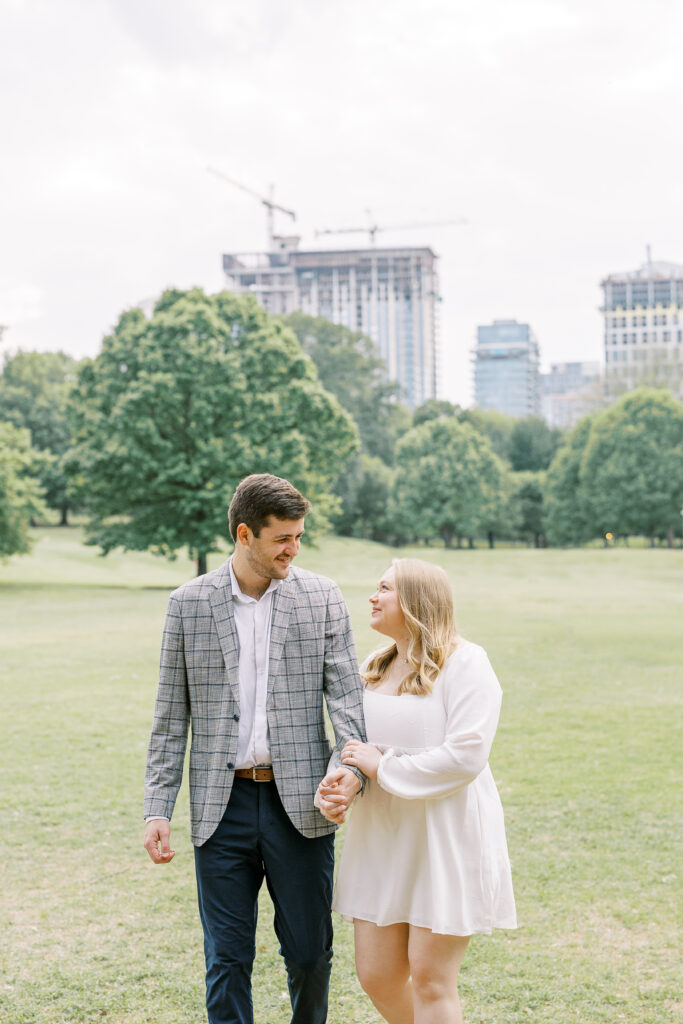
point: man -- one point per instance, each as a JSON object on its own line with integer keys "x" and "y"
{"x": 248, "y": 653}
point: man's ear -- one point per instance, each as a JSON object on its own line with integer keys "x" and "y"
{"x": 243, "y": 535}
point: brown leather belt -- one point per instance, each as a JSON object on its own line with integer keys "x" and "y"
{"x": 256, "y": 774}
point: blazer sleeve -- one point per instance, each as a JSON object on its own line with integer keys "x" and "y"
{"x": 342, "y": 683}
{"x": 166, "y": 751}
{"x": 472, "y": 697}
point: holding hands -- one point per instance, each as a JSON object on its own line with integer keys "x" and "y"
{"x": 335, "y": 794}
{"x": 337, "y": 790}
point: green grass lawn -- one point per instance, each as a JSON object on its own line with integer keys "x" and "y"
{"x": 588, "y": 647}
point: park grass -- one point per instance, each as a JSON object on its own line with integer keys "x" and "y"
{"x": 588, "y": 647}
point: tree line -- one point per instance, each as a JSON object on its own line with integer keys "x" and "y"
{"x": 149, "y": 439}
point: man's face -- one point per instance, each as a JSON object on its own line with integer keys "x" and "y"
{"x": 269, "y": 555}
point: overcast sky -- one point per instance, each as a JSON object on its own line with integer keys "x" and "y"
{"x": 555, "y": 128}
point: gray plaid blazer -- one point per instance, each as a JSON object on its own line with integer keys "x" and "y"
{"x": 312, "y": 655}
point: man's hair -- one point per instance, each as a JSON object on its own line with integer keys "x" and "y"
{"x": 262, "y": 495}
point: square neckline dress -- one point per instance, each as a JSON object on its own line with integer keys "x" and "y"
{"x": 425, "y": 843}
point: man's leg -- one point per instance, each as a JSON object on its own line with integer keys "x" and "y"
{"x": 299, "y": 874}
{"x": 229, "y": 876}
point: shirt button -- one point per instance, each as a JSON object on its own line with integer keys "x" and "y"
{"x": 236, "y": 718}
{"x": 230, "y": 764}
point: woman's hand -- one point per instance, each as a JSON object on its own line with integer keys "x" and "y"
{"x": 363, "y": 756}
{"x": 335, "y": 794}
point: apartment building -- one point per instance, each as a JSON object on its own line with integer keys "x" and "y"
{"x": 643, "y": 327}
{"x": 570, "y": 391}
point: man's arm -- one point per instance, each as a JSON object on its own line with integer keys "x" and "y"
{"x": 343, "y": 689}
{"x": 166, "y": 752}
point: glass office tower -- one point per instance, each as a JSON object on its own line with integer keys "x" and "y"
{"x": 506, "y": 369}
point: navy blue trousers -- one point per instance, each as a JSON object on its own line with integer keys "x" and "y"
{"x": 256, "y": 840}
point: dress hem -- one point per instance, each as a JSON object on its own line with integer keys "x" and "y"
{"x": 421, "y": 924}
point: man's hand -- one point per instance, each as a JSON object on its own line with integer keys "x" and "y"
{"x": 362, "y": 755}
{"x": 158, "y": 841}
{"x": 335, "y": 794}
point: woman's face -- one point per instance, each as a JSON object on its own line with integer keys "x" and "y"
{"x": 386, "y": 615}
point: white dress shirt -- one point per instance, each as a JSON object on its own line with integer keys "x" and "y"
{"x": 253, "y": 620}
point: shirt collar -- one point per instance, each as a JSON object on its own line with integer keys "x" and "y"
{"x": 237, "y": 593}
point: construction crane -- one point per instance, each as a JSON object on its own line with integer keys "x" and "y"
{"x": 269, "y": 204}
{"x": 372, "y": 228}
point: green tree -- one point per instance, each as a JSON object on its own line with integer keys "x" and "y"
{"x": 632, "y": 467}
{"x": 434, "y": 409}
{"x": 526, "y": 508}
{"x": 497, "y": 426}
{"x": 178, "y": 408}
{"x": 349, "y": 367}
{"x": 532, "y": 444}
{"x": 447, "y": 481}
{"x": 495, "y": 510}
{"x": 34, "y": 388}
{"x": 566, "y": 514}
{"x": 365, "y": 489}
{"x": 20, "y": 491}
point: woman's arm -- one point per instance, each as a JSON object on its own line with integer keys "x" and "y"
{"x": 472, "y": 695}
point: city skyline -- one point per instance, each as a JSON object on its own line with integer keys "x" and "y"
{"x": 112, "y": 112}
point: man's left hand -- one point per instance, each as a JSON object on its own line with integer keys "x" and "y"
{"x": 335, "y": 794}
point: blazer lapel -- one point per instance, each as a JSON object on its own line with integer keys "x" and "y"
{"x": 283, "y": 601}
{"x": 223, "y": 612}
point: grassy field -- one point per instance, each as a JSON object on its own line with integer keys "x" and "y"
{"x": 588, "y": 646}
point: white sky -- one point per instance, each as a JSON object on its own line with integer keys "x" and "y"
{"x": 554, "y": 127}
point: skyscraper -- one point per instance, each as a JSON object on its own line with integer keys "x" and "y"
{"x": 643, "y": 327}
{"x": 389, "y": 294}
{"x": 569, "y": 392}
{"x": 506, "y": 369}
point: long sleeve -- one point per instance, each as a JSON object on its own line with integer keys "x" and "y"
{"x": 166, "y": 752}
{"x": 472, "y": 697}
{"x": 342, "y": 682}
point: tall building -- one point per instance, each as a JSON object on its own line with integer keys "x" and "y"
{"x": 506, "y": 369}
{"x": 389, "y": 294}
{"x": 569, "y": 392}
{"x": 643, "y": 328}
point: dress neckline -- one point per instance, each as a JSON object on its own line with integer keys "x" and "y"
{"x": 377, "y": 693}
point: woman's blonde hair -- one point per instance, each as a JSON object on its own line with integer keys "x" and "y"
{"x": 425, "y": 597}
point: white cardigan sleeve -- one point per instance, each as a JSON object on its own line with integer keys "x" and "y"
{"x": 472, "y": 696}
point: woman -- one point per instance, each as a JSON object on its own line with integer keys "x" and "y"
{"x": 425, "y": 862}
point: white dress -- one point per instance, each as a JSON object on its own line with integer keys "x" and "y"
{"x": 425, "y": 844}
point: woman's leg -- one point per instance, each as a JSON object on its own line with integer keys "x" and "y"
{"x": 383, "y": 968}
{"x": 434, "y": 962}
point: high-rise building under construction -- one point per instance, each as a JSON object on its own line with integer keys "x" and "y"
{"x": 390, "y": 294}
